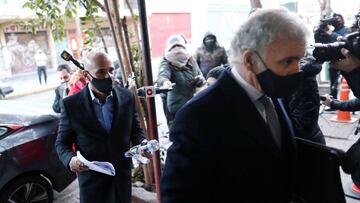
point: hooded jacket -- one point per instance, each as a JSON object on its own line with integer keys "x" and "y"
{"x": 208, "y": 58}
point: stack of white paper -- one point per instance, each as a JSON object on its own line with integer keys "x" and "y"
{"x": 99, "y": 166}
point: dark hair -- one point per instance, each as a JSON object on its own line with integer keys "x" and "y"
{"x": 216, "y": 72}
{"x": 63, "y": 67}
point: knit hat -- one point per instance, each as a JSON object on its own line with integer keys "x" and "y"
{"x": 175, "y": 40}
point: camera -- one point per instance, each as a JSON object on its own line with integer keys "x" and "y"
{"x": 321, "y": 34}
{"x": 332, "y": 51}
{"x": 328, "y": 21}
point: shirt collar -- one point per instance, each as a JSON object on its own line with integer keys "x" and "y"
{"x": 252, "y": 92}
{"x": 93, "y": 98}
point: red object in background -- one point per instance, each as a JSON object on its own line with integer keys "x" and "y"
{"x": 163, "y": 25}
{"x": 31, "y": 152}
{"x": 76, "y": 87}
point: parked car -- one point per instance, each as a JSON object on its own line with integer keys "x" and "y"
{"x": 5, "y": 89}
{"x": 29, "y": 166}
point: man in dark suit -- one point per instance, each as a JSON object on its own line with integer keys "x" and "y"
{"x": 235, "y": 123}
{"x": 102, "y": 121}
{"x": 61, "y": 91}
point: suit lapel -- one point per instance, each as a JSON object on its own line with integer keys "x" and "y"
{"x": 240, "y": 102}
{"x": 118, "y": 113}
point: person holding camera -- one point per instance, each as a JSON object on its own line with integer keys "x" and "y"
{"x": 304, "y": 104}
{"x": 179, "y": 67}
{"x": 341, "y": 30}
{"x": 240, "y": 119}
{"x": 350, "y": 69}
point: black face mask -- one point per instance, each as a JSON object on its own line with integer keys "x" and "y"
{"x": 210, "y": 43}
{"x": 103, "y": 85}
{"x": 276, "y": 86}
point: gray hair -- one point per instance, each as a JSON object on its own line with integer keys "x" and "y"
{"x": 263, "y": 27}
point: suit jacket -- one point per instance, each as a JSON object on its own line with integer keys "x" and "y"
{"x": 59, "y": 94}
{"x": 223, "y": 151}
{"x": 79, "y": 125}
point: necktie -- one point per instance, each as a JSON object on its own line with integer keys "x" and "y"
{"x": 272, "y": 119}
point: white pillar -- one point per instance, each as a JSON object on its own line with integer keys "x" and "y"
{"x": 5, "y": 72}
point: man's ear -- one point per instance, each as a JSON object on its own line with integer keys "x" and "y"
{"x": 248, "y": 60}
{"x": 86, "y": 74}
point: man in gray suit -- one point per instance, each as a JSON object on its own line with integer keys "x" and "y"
{"x": 62, "y": 90}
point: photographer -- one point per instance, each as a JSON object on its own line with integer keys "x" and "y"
{"x": 341, "y": 30}
{"x": 178, "y": 67}
{"x": 350, "y": 69}
{"x": 303, "y": 105}
{"x": 339, "y": 25}
{"x": 324, "y": 35}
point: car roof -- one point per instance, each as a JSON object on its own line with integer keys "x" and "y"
{"x": 23, "y": 113}
{"x": 25, "y": 120}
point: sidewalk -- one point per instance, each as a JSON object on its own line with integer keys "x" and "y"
{"x": 28, "y": 83}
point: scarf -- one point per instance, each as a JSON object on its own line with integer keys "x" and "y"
{"x": 177, "y": 56}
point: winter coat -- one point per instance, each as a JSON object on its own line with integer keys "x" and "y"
{"x": 304, "y": 107}
{"x": 183, "y": 89}
{"x": 208, "y": 59}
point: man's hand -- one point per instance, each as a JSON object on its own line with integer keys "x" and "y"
{"x": 77, "y": 166}
{"x": 167, "y": 85}
{"x": 348, "y": 64}
{"x": 328, "y": 100}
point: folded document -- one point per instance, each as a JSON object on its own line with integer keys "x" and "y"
{"x": 99, "y": 166}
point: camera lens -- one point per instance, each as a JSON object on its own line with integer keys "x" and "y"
{"x": 328, "y": 52}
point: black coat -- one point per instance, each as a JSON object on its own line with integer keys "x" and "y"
{"x": 59, "y": 94}
{"x": 350, "y": 105}
{"x": 222, "y": 151}
{"x": 303, "y": 109}
{"x": 353, "y": 79}
{"x": 79, "y": 124}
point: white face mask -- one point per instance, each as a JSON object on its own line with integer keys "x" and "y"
{"x": 177, "y": 56}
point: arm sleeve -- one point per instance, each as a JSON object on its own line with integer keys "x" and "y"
{"x": 353, "y": 79}
{"x": 304, "y": 106}
{"x": 187, "y": 157}
{"x": 350, "y": 105}
{"x": 65, "y": 138}
{"x": 164, "y": 72}
{"x": 56, "y": 104}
